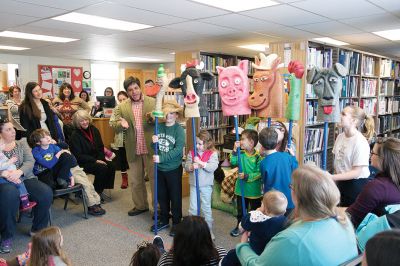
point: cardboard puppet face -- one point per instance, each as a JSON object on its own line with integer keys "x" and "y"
{"x": 327, "y": 84}
{"x": 191, "y": 82}
{"x": 268, "y": 96}
{"x": 296, "y": 70}
{"x": 233, "y": 87}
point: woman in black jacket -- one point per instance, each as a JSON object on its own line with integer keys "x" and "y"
{"x": 35, "y": 113}
{"x": 87, "y": 146}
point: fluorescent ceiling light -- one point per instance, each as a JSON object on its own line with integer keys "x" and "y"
{"x": 15, "y": 48}
{"x": 255, "y": 47}
{"x": 101, "y": 22}
{"x": 238, "y": 5}
{"x": 37, "y": 37}
{"x": 330, "y": 41}
{"x": 393, "y": 35}
{"x": 139, "y": 59}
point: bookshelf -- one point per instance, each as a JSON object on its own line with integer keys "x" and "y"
{"x": 217, "y": 124}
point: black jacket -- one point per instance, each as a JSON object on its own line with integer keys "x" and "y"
{"x": 82, "y": 148}
{"x": 30, "y": 124}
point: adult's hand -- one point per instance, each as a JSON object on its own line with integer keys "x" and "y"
{"x": 13, "y": 176}
{"x": 101, "y": 162}
{"x": 124, "y": 123}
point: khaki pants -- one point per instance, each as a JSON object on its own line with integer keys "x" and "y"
{"x": 141, "y": 165}
{"x": 90, "y": 194}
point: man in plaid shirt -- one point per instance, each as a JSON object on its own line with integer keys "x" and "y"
{"x": 133, "y": 115}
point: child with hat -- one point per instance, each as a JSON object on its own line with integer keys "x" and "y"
{"x": 171, "y": 140}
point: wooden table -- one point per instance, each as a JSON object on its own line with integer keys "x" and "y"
{"x": 106, "y": 132}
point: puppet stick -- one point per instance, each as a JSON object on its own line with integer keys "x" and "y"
{"x": 155, "y": 179}
{"x": 235, "y": 118}
{"x": 196, "y": 171}
{"x": 289, "y": 142}
{"x": 269, "y": 122}
{"x": 324, "y": 153}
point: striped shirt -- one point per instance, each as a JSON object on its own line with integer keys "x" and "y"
{"x": 167, "y": 258}
{"x": 137, "y": 109}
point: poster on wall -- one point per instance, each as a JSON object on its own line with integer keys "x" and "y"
{"x": 52, "y": 77}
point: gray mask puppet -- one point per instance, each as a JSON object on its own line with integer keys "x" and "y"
{"x": 327, "y": 85}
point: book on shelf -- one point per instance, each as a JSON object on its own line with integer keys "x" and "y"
{"x": 384, "y": 124}
{"x": 311, "y": 112}
{"x": 211, "y": 62}
{"x": 350, "y": 85}
{"x": 395, "y": 104}
{"x": 322, "y": 58}
{"x": 395, "y": 122}
{"x": 369, "y": 105}
{"x": 368, "y": 66}
{"x": 385, "y": 68}
{"x": 385, "y": 105}
{"x": 368, "y": 87}
{"x": 313, "y": 140}
{"x": 310, "y": 91}
{"x": 348, "y": 102}
{"x": 387, "y": 87}
{"x": 350, "y": 60}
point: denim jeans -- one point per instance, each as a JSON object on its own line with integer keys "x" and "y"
{"x": 21, "y": 187}
{"x": 9, "y": 205}
{"x": 205, "y": 203}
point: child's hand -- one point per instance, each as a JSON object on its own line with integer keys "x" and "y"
{"x": 156, "y": 158}
{"x": 241, "y": 175}
{"x": 13, "y": 159}
{"x": 52, "y": 141}
{"x": 58, "y": 154}
{"x": 154, "y": 138}
{"x": 236, "y": 146}
{"x": 195, "y": 166}
{"x": 72, "y": 182}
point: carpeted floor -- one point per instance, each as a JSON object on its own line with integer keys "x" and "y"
{"x": 112, "y": 238}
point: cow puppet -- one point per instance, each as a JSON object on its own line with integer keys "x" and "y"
{"x": 233, "y": 87}
{"x": 191, "y": 82}
{"x": 327, "y": 85}
{"x": 268, "y": 98}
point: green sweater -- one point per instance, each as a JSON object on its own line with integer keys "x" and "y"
{"x": 251, "y": 168}
{"x": 171, "y": 141}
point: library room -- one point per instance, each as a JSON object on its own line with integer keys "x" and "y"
{"x": 199, "y": 132}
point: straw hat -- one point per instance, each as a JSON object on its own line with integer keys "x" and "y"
{"x": 265, "y": 62}
{"x": 172, "y": 106}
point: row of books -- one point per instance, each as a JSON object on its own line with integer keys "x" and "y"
{"x": 175, "y": 96}
{"x": 368, "y": 66}
{"x": 350, "y": 60}
{"x": 311, "y": 112}
{"x": 315, "y": 158}
{"x": 395, "y": 69}
{"x": 368, "y": 87}
{"x": 347, "y": 102}
{"x": 395, "y": 122}
{"x": 218, "y": 135}
{"x": 212, "y": 101}
{"x": 310, "y": 91}
{"x": 313, "y": 140}
{"x": 369, "y": 106}
{"x": 211, "y": 62}
{"x": 250, "y": 69}
{"x": 387, "y": 87}
{"x": 385, "y": 105}
{"x": 350, "y": 85}
{"x": 385, "y": 68}
{"x": 213, "y": 120}
{"x": 384, "y": 123}
{"x": 321, "y": 58}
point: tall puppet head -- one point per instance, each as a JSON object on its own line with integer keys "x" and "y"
{"x": 268, "y": 96}
{"x": 296, "y": 70}
{"x": 327, "y": 84}
{"x": 191, "y": 82}
{"x": 233, "y": 87}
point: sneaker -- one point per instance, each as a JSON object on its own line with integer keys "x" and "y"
{"x": 103, "y": 211}
{"x": 5, "y": 246}
{"x": 95, "y": 210}
{"x": 158, "y": 242}
{"x": 160, "y": 226}
{"x": 235, "y": 232}
{"x": 62, "y": 183}
{"x": 27, "y": 206}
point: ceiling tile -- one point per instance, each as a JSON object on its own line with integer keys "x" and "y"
{"x": 375, "y": 22}
{"x": 179, "y": 8}
{"x": 38, "y": 11}
{"x": 389, "y": 5}
{"x": 123, "y": 12}
{"x": 286, "y": 33}
{"x": 361, "y": 38}
{"x": 329, "y": 29}
{"x": 285, "y": 15}
{"x": 11, "y": 20}
{"x": 240, "y": 22}
{"x": 202, "y": 28}
{"x": 62, "y": 4}
{"x": 339, "y": 9}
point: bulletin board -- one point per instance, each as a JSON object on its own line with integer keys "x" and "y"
{"x": 51, "y": 78}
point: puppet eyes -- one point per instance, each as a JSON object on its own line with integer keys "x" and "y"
{"x": 181, "y": 83}
{"x": 237, "y": 81}
{"x": 195, "y": 81}
{"x": 263, "y": 78}
{"x": 332, "y": 79}
{"x": 224, "y": 84}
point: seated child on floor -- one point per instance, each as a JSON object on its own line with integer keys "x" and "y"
{"x": 263, "y": 223}
{"x": 51, "y": 162}
{"x": 277, "y": 167}
{"x": 7, "y": 165}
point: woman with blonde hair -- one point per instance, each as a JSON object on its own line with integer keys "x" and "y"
{"x": 351, "y": 152}
{"x": 384, "y": 189}
{"x": 319, "y": 233}
{"x": 87, "y": 146}
{"x": 47, "y": 250}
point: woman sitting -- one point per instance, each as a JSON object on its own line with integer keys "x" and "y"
{"x": 87, "y": 146}
{"x": 13, "y": 104}
{"x": 66, "y": 104}
{"x": 384, "y": 189}
{"x": 192, "y": 245}
{"x": 9, "y": 194}
{"x": 318, "y": 234}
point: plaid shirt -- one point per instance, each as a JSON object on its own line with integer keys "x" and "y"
{"x": 137, "y": 109}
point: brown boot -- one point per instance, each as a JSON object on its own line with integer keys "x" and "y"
{"x": 124, "y": 184}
